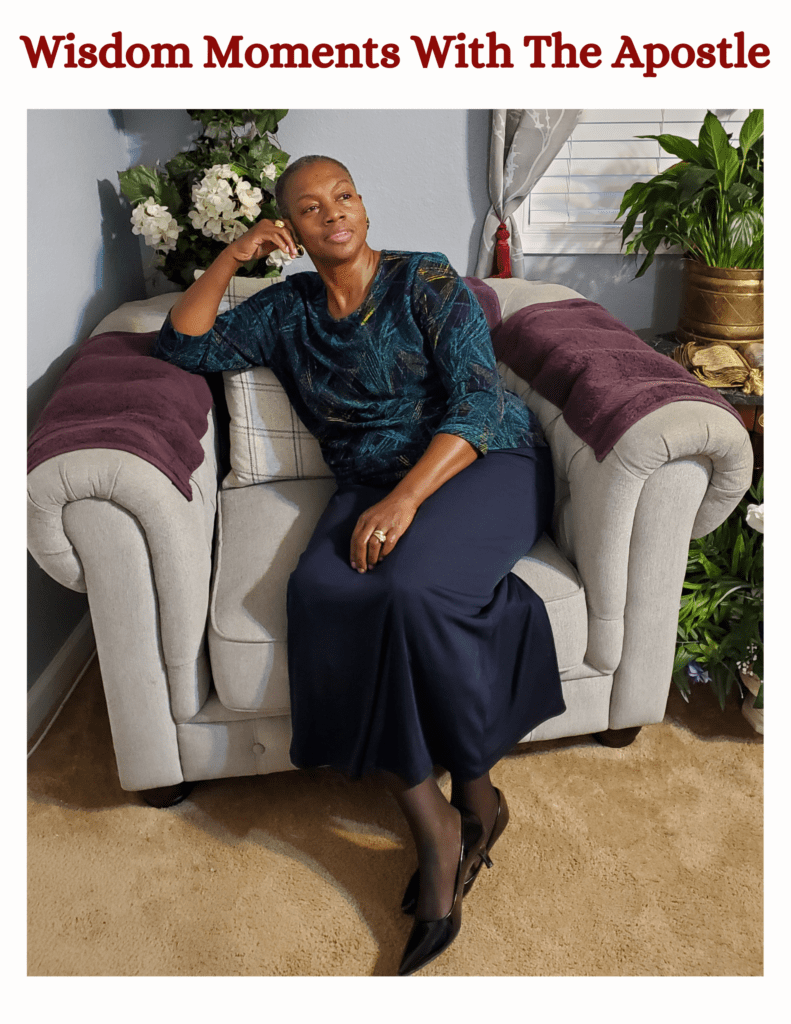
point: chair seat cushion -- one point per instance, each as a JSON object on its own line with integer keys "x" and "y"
{"x": 262, "y": 530}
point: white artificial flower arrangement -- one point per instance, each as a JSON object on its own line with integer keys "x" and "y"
{"x": 155, "y": 222}
{"x": 223, "y": 202}
{"x": 209, "y": 196}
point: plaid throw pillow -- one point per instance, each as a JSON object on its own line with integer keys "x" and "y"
{"x": 268, "y": 439}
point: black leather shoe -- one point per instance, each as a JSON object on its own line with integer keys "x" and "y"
{"x": 409, "y": 902}
{"x": 428, "y": 939}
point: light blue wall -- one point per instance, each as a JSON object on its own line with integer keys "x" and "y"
{"x": 422, "y": 174}
{"x": 83, "y": 262}
{"x": 82, "y": 259}
{"x": 649, "y": 305}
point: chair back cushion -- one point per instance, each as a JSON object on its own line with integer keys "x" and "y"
{"x": 138, "y": 317}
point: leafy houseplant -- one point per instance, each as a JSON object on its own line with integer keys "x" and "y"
{"x": 208, "y": 196}
{"x": 720, "y": 625}
{"x": 711, "y": 203}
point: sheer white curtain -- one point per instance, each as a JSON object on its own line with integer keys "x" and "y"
{"x": 522, "y": 146}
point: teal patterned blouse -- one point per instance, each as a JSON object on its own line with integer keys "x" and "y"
{"x": 415, "y": 359}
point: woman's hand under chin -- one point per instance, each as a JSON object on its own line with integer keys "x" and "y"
{"x": 392, "y": 516}
{"x": 261, "y": 240}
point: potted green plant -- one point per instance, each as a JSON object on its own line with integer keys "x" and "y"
{"x": 711, "y": 205}
{"x": 720, "y": 624}
{"x": 206, "y": 197}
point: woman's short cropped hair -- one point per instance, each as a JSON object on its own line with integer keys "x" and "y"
{"x": 297, "y": 165}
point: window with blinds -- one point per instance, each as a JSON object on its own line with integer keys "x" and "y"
{"x": 573, "y": 208}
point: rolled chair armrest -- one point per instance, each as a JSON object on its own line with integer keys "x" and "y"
{"x": 110, "y": 524}
{"x": 175, "y": 545}
{"x": 678, "y": 430}
{"x": 626, "y": 523}
{"x": 174, "y": 525}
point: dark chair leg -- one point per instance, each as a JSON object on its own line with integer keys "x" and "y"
{"x": 617, "y": 737}
{"x": 167, "y": 796}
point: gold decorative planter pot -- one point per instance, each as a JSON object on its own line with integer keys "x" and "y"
{"x": 721, "y": 305}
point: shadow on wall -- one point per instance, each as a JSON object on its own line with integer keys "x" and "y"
{"x": 118, "y": 263}
{"x": 152, "y": 139}
{"x": 119, "y": 278}
{"x": 49, "y": 606}
{"x": 667, "y": 293}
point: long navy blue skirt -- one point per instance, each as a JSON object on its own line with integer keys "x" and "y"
{"x": 439, "y": 655}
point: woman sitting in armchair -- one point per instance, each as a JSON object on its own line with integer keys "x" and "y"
{"x": 410, "y": 642}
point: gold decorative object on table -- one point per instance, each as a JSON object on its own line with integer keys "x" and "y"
{"x": 721, "y": 366}
{"x": 721, "y": 304}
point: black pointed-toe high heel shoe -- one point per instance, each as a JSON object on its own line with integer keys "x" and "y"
{"x": 428, "y": 939}
{"x": 501, "y": 820}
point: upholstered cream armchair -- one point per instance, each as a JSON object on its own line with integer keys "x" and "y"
{"x": 187, "y": 598}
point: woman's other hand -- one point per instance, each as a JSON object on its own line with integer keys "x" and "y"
{"x": 392, "y": 516}
{"x": 445, "y": 456}
{"x": 261, "y": 240}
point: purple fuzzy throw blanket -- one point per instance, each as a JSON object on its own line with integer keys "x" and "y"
{"x": 487, "y": 297}
{"x": 590, "y": 365}
{"x": 114, "y": 394}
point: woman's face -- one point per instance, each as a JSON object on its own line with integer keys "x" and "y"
{"x": 325, "y": 212}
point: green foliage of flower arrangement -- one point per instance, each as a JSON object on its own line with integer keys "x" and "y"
{"x": 720, "y": 625}
{"x": 711, "y": 203}
{"x": 203, "y": 198}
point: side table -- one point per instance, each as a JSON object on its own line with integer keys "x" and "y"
{"x": 749, "y": 407}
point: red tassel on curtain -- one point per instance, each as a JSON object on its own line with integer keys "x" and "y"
{"x": 502, "y": 253}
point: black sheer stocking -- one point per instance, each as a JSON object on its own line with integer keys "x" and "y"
{"x": 477, "y": 796}
{"x": 436, "y": 829}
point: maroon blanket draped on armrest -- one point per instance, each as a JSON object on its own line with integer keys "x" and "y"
{"x": 602, "y": 375}
{"x": 114, "y": 394}
{"x": 487, "y": 297}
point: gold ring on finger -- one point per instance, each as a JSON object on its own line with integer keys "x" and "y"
{"x": 280, "y": 224}
{"x": 380, "y": 535}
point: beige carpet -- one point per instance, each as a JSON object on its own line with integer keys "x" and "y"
{"x": 640, "y": 861}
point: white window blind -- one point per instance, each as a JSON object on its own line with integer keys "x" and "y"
{"x": 573, "y": 207}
